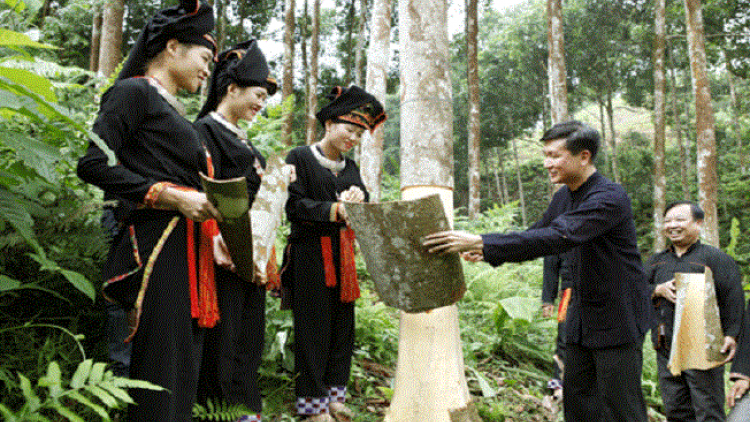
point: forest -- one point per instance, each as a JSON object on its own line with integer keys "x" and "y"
{"x": 665, "y": 82}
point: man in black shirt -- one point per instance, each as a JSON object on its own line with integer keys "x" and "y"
{"x": 694, "y": 395}
{"x": 609, "y": 311}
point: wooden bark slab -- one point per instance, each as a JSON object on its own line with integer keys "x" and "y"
{"x": 268, "y": 208}
{"x": 230, "y": 198}
{"x": 406, "y": 275}
{"x": 698, "y": 337}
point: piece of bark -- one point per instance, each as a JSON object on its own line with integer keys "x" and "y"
{"x": 406, "y": 275}
{"x": 230, "y": 198}
{"x": 698, "y": 337}
{"x": 268, "y": 208}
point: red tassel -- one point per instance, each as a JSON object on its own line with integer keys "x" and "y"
{"x": 192, "y": 273}
{"x": 273, "y": 280}
{"x": 349, "y": 284}
{"x": 328, "y": 267}
{"x": 209, "y": 306}
{"x": 562, "y": 309}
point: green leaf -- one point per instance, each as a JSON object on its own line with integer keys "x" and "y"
{"x": 102, "y": 395}
{"x": 35, "y": 83}
{"x": 17, "y": 6}
{"x": 41, "y": 157}
{"x": 82, "y": 373}
{"x": 484, "y": 384}
{"x": 64, "y": 411}
{"x": 14, "y": 213}
{"x": 7, "y": 283}
{"x": 32, "y": 400}
{"x": 8, "y": 416}
{"x": 80, "y": 282}
{"x": 80, "y": 398}
{"x": 117, "y": 392}
{"x": 97, "y": 372}
{"x": 10, "y": 38}
{"x": 523, "y": 308}
{"x": 53, "y": 380}
{"x": 132, "y": 383}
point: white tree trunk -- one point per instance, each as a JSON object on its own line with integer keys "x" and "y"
{"x": 660, "y": 111}
{"x": 288, "y": 85}
{"x": 110, "y": 47}
{"x": 558, "y": 90}
{"x": 378, "y": 57}
{"x": 704, "y": 122}
{"x": 474, "y": 140}
{"x": 430, "y": 381}
{"x": 312, "y": 89}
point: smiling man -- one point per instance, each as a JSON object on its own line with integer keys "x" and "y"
{"x": 609, "y": 312}
{"x": 694, "y": 395}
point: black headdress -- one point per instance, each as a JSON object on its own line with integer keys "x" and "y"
{"x": 353, "y": 105}
{"x": 191, "y": 23}
{"x": 243, "y": 64}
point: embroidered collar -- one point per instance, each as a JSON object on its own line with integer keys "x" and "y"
{"x": 333, "y": 165}
{"x": 241, "y": 134}
{"x": 171, "y": 99}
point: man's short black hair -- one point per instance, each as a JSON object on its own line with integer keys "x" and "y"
{"x": 695, "y": 209}
{"x": 578, "y": 136}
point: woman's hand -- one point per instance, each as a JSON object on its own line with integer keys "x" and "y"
{"x": 192, "y": 204}
{"x": 221, "y": 254}
{"x": 353, "y": 194}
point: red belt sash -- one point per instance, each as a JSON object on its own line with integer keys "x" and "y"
{"x": 348, "y": 269}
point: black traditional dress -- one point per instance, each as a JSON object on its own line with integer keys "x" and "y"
{"x": 318, "y": 273}
{"x": 155, "y": 147}
{"x": 235, "y": 345}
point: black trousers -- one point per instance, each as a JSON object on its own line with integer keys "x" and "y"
{"x": 604, "y": 385}
{"x": 692, "y": 396}
{"x": 323, "y": 325}
{"x": 232, "y": 350}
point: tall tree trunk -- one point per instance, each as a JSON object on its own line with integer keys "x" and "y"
{"x": 430, "y": 384}
{"x": 704, "y": 122}
{"x": 521, "y": 195}
{"x": 603, "y": 130}
{"x": 359, "y": 58}
{"x": 677, "y": 127}
{"x": 500, "y": 198}
{"x": 287, "y": 87}
{"x": 110, "y": 48}
{"x": 96, "y": 38}
{"x": 378, "y": 56}
{"x": 506, "y": 196}
{"x": 42, "y": 13}
{"x": 348, "y": 63}
{"x": 474, "y": 147}
{"x": 660, "y": 179}
{"x": 612, "y": 133}
{"x": 558, "y": 90}
{"x": 736, "y": 122}
{"x": 221, "y": 25}
{"x": 312, "y": 91}
{"x": 304, "y": 34}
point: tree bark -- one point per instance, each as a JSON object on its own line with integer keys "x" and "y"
{"x": 500, "y": 198}
{"x": 558, "y": 91}
{"x": 110, "y": 48}
{"x": 312, "y": 91}
{"x": 677, "y": 127}
{"x": 660, "y": 179}
{"x": 506, "y": 196}
{"x": 303, "y": 34}
{"x": 96, "y": 38}
{"x": 521, "y": 196}
{"x": 474, "y": 140}
{"x": 736, "y": 122}
{"x": 612, "y": 133}
{"x": 378, "y": 56}
{"x": 430, "y": 381}
{"x": 704, "y": 122}
{"x": 359, "y": 58}
{"x": 604, "y": 143}
{"x": 287, "y": 88}
{"x": 221, "y": 26}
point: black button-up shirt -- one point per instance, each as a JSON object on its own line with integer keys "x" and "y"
{"x": 661, "y": 268}
{"x": 610, "y": 305}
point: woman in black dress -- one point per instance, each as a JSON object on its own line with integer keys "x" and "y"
{"x": 151, "y": 268}
{"x": 320, "y": 273}
{"x": 239, "y": 88}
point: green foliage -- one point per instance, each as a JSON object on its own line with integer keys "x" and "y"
{"x": 219, "y": 410}
{"x": 92, "y": 391}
